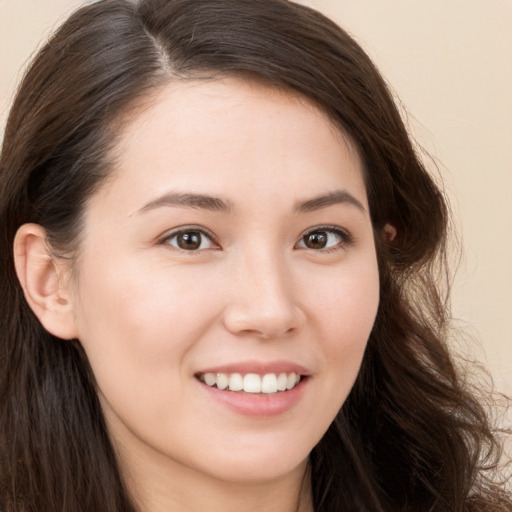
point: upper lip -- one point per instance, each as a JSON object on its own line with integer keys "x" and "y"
{"x": 259, "y": 367}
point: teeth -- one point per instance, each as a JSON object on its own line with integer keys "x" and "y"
{"x": 236, "y": 382}
{"x": 281, "y": 381}
{"x": 222, "y": 380}
{"x": 292, "y": 380}
{"x": 252, "y": 382}
{"x": 269, "y": 383}
{"x": 210, "y": 379}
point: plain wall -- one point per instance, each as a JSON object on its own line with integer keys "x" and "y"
{"x": 450, "y": 62}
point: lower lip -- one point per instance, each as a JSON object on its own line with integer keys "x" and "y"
{"x": 258, "y": 404}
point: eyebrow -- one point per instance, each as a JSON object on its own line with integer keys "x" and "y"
{"x": 329, "y": 199}
{"x": 218, "y": 204}
{"x": 187, "y": 200}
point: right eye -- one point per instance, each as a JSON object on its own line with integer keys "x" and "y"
{"x": 190, "y": 240}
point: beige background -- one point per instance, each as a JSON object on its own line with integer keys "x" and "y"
{"x": 450, "y": 62}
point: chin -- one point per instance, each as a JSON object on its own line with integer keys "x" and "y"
{"x": 260, "y": 462}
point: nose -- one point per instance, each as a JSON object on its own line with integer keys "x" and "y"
{"x": 263, "y": 300}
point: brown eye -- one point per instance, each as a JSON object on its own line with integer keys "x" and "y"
{"x": 190, "y": 240}
{"x": 324, "y": 238}
{"x": 315, "y": 240}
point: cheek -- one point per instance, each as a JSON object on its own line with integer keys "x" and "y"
{"x": 347, "y": 304}
{"x": 345, "y": 316}
{"x": 136, "y": 325}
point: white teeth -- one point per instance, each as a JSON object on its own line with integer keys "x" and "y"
{"x": 269, "y": 383}
{"x": 252, "y": 382}
{"x": 222, "y": 381}
{"x": 281, "y": 382}
{"x": 210, "y": 379}
{"x": 236, "y": 382}
{"x": 291, "y": 381}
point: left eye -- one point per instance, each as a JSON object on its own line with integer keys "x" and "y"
{"x": 190, "y": 240}
{"x": 323, "y": 238}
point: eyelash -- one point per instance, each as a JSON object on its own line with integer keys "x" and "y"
{"x": 190, "y": 229}
{"x": 345, "y": 237}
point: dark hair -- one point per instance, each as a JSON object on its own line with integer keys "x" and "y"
{"x": 410, "y": 436}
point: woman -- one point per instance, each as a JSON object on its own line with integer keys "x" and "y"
{"x": 219, "y": 268}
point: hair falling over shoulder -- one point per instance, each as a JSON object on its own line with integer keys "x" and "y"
{"x": 413, "y": 435}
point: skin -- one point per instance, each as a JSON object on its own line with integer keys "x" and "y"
{"x": 151, "y": 315}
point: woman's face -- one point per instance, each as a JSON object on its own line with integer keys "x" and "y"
{"x": 232, "y": 246}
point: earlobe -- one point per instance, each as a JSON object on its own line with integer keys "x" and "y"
{"x": 44, "y": 283}
{"x": 389, "y": 232}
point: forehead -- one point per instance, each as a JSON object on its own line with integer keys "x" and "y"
{"x": 217, "y": 135}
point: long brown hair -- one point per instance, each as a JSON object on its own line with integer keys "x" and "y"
{"x": 410, "y": 437}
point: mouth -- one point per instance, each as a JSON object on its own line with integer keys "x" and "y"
{"x": 268, "y": 383}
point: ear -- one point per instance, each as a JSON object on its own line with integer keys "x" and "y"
{"x": 45, "y": 281}
{"x": 389, "y": 232}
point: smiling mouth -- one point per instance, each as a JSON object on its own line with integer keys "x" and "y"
{"x": 251, "y": 382}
